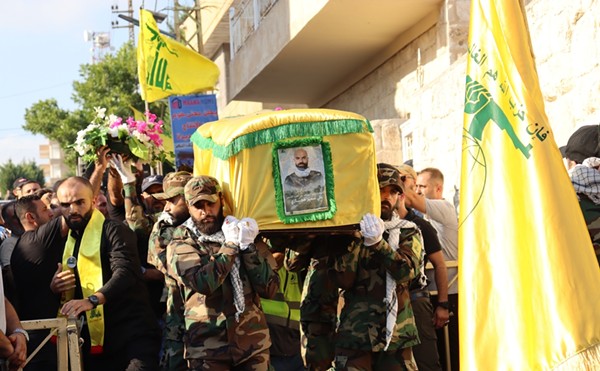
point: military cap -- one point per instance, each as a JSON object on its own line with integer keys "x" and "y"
{"x": 202, "y": 187}
{"x": 388, "y": 175}
{"x": 173, "y": 185}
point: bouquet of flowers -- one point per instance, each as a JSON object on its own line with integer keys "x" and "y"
{"x": 137, "y": 139}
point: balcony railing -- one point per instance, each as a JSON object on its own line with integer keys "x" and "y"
{"x": 244, "y": 19}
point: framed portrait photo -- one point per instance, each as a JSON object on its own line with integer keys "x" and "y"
{"x": 303, "y": 176}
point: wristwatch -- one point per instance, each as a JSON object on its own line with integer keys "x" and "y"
{"x": 21, "y": 331}
{"x": 94, "y": 300}
{"x": 443, "y": 304}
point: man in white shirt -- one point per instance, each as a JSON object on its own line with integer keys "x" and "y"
{"x": 426, "y": 196}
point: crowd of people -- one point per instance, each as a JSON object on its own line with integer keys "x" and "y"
{"x": 160, "y": 278}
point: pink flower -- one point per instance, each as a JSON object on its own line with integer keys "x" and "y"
{"x": 142, "y": 126}
{"x": 154, "y": 137}
{"x": 116, "y": 123}
{"x": 151, "y": 117}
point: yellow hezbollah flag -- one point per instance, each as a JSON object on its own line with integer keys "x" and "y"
{"x": 528, "y": 278}
{"x": 166, "y": 67}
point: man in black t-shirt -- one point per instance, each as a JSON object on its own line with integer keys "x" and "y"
{"x": 33, "y": 263}
{"x": 427, "y": 318}
{"x": 131, "y": 336}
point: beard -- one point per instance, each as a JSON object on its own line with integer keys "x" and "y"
{"x": 387, "y": 210}
{"x": 77, "y": 222}
{"x": 302, "y": 165}
{"x": 211, "y": 224}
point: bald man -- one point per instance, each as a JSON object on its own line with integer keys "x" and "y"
{"x": 304, "y": 189}
{"x": 99, "y": 277}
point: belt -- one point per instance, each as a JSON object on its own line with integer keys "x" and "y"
{"x": 414, "y": 295}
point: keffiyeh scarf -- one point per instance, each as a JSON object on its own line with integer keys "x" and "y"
{"x": 234, "y": 275}
{"x": 586, "y": 179}
{"x": 393, "y": 227}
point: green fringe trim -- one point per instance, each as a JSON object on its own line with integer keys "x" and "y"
{"x": 282, "y": 132}
{"x": 585, "y": 359}
{"x": 329, "y": 184}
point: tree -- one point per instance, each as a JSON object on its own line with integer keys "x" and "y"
{"x": 10, "y": 172}
{"x": 111, "y": 83}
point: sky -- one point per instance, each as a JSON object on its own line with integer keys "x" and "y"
{"x": 43, "y": 48}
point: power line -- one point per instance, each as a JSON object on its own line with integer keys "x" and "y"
{"x": 34, "y": 91}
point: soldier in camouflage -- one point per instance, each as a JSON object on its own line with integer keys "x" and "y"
{"x": 223, "y": 274}
{"x": 174, "y": 214}
{"x": 376, "y": 325}
{"x": 319, "y": 304}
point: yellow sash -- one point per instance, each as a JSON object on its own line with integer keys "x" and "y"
{"x": 89, "y": 268}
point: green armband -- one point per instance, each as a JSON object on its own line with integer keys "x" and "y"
{"x": 129, "y": 190}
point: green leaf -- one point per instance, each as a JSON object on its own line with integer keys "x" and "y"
{"x": 137, "y": 148}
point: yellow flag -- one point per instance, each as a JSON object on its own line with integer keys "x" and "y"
{"x": 166, "y": 67}
{"x": 529, "y": 279}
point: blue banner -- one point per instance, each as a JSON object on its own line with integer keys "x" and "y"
{"x": 188, "y": 113}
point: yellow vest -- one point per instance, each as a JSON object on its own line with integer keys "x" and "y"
{"x": 284, "y": 308}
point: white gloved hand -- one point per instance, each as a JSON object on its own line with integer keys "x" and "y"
{"x": 165, "y": 217}
{"x": 371, "y": 227}
{"x": 230, "y": 230}
{"x": 248, "y": 232}
{"x": 124, "y": 169}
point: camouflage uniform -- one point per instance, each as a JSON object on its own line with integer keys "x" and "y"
{"x": 161, "y": 235}
{"x": 361, "y": 273}
{"x": 214, "y": 340}
{"x": 319, "y": 305}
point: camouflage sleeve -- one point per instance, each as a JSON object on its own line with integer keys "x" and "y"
{"x": 344, "y": 267}
{"x": 197, "y": 269}
{"x": 264, "y": 279}
{"x": 157, "y": 246}
{"x": 402, "y": 264}
{"x": 134, "y": 212}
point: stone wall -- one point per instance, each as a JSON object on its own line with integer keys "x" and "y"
{"x": 419, "y": 92}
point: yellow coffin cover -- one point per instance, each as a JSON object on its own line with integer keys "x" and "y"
{"x": 292, "y": 169}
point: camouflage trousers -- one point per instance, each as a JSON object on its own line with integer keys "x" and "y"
{"x": 172, "y": 358}
{"x": 317, "y": 345}
{"x": 361, "y": 360}
{"x": 258, "y": 362}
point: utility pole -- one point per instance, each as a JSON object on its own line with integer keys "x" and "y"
{"x": 199, "y": 28}
{"x": 176, "y": 20}
{"x": 129, "y": 12}
{"x": 194, "y": 41}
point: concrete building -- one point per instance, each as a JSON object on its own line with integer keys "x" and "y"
{"x": 400, "y": 63}
{"x": 55, "y": 169}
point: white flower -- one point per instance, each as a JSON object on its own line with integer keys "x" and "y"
{"x": 112, "y": 118}
{"x": 100, "y": 112}
{"x": 141, "y": 136}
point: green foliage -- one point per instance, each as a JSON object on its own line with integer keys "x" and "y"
{"x": 9, "y": 172}
{"x": 111, "y": 83}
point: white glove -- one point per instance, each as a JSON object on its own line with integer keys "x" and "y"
{"x": 124, "y": 169}
{"x": 165, "y": 217}
{"x": 230, "y": 230}
{"x": 248, "y": 232}
{"x": 372, "y": 229}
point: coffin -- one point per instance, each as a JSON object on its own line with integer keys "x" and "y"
{"x": 292, "y": 169}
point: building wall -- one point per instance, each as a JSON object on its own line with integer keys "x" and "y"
{"x": 419, "y": 92}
